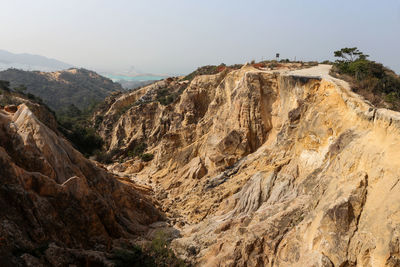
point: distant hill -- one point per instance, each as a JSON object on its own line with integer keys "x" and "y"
{"x": 59, "y": 89}
{"x": 30, "y": 62}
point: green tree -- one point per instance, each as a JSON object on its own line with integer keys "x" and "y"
{"x": 5, "y": 85}
{"x": 72, "y": 111}
{"x": 20, "y": 89}
{"x": 376, "y": 82}
{"x": 350, "y": 54}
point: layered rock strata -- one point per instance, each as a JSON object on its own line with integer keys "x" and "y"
{"x": 57, "y": 207}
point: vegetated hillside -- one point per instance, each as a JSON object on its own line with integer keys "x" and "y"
{"x": 378, "y": 84}
{"x": 264, "y": 166}
{"x": 61, "y": 88}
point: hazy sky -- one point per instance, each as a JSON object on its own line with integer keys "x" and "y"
{"x": 177, "y": 36}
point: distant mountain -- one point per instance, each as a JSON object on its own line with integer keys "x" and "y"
{"x": 59, "y": 89}
{"x": 30, "y": 62}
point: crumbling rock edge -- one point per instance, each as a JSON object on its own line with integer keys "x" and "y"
{"x": 296, "y": 170}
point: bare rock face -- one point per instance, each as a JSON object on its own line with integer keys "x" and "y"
{"x": 57, "y": 207}
{"x": 262, "y": 168}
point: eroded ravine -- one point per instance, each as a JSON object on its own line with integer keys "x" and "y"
{"x": 262, "y": 168}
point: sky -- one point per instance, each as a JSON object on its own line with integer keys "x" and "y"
{"x": 177, "y": 36}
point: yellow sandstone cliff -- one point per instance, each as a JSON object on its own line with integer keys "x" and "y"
{"x": 267, "y": 168}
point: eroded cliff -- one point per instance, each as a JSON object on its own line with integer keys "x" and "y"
{"x": 267, "y": 168}
{"x": 57, "y": 207}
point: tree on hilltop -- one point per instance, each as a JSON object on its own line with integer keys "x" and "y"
{"x": 350, "y": 54}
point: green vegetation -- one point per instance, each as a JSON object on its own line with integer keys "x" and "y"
{"x": 155, "y": 254}
{"x": 161, "y": 252}
{"x": 131, "y": 256}
{"x": 147, "y": 157}
{"x": 123, "y": 110}
{"x": 5, "y": 86}
{"x": 205, "y": 70}
{"x": 75, "y": 126}
{"x": 211, "y": 69}
{"x": 7, "y": 100}
{"x": 58, "y": 90}
{"x": 5, "y": 95}
{"x": 105, "y": 157}
{"x": 208, "y": 70}
{"x": 13, "y": 96}
{"x": 135, "y": 150}
{"x": 20, "y": 89}
{"x": 138, "y": 151}
{"x": 380, "y": 85}
{"x": 98, "y": 120}
{"x": 166, "y": 96}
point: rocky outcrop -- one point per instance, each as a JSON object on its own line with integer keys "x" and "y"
{"x": 271, "y": 168}
{"x": 57, "y": 207}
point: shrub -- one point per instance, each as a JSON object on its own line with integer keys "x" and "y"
{"x": 6, "y": 99}
{"x": 147, "y": 157}
{"x": 75, "y": 126}
{"x": 84, "y": 139}
{"x": 5, "y": 86}
{"x": 20, "y": 89}
{"x": 327, "y": 62}
{"x": 205, "y": 70}
{"x": 161, "y": 252}
{"x": 123, "y": 110}
{"x": 103, "y": 157}
{"x": 312, "y": 63}
{"x": 131, "y": 256}
{"x": 98, "y": 120}
{"x": 367, "y": 77}
{"x": 137, "y": 150}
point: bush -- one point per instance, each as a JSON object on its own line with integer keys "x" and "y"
{"x": 157, "y": 255}
{"x": 76, "y": 127}
{"x": 106, "y": 157}
{"x": 369, "y": 78}
{"x": 161, "y": 252}
{"x": 124, "y": 109}
{"x": 327, "y": 62}
{"x": 131, "y": 256}
{"x": 137, "y": 150}
{"x": 98, "y": 120}
{"x": 5, "y": 86}
{"x": 84, "y": 139}
{"x": 6, "y": 99}
{"x": 147, "y": 157}
{"x": 205, "y": 70}
{"x": 164, "y": 97}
